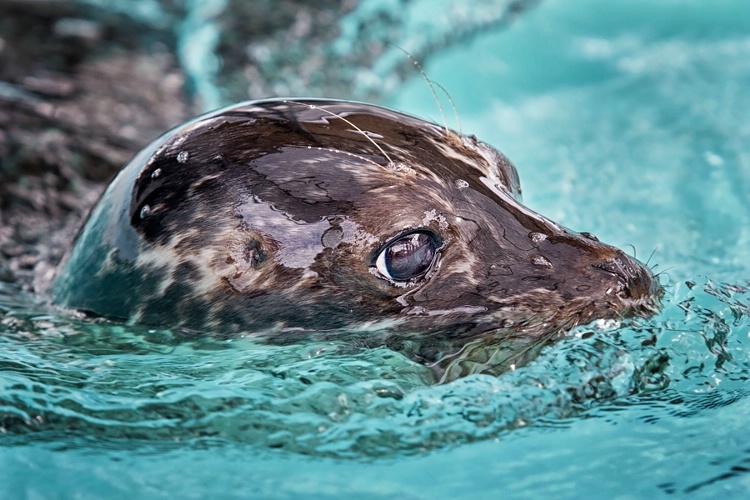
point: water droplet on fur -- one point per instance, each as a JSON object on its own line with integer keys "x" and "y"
{"x": 156, "y": 173}
{"x": 461, "y": 184}
{"x": 400, "y": 168}
{"x": 332, "y": 237}
{"x": 537, "y": 238}
{"x": 541, "y": 261}
{"x": 183, "y": 156}
{"x": 589, "y": 236}
{"x": 145, "y": 211}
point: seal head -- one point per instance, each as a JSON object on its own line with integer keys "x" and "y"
{"x": 281, "y": 218}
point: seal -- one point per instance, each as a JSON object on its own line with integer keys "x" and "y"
{"x": 283, "y": 218}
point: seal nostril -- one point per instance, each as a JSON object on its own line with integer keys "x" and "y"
{"x": 634, "y": 280}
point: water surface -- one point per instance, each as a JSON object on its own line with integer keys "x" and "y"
{"x": 626, "y": 119}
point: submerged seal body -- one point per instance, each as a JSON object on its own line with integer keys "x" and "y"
{"x": 296, "y": 216}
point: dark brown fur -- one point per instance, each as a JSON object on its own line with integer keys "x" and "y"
{"x": 267, "y": 217}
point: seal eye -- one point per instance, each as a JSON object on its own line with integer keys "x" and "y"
{"x": 407, "y": 257}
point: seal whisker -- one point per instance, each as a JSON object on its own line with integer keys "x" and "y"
{"x": 349, "y": 122}
{"x": 355, "y": 155}
{"x": 453, "y": 105}
{"x": 660, "y": 273}
{"x": 635, "y": 253}
{"x": 432, "y": 88}
{"x": 652, "y": 254}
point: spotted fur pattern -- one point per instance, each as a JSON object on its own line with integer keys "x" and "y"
{"x": 265, "y": 218}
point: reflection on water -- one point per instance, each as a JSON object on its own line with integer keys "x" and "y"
{"x": 113, "y": 383}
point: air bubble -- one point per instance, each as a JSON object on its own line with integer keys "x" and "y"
{"x": 183, "y": 156}
{"x": 156, "y": 173}
{"x": 461, "y": 184}
{"x": 145, "y": 211}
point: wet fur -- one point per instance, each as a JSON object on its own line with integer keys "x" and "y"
{"x": 264, "y": 218}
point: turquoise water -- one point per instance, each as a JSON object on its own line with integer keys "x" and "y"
{"x": 627, "y": 119}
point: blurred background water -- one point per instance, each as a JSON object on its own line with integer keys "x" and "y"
{"x": 627, "y": 119}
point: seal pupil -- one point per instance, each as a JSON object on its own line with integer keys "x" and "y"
{"x": 409, "y": 256}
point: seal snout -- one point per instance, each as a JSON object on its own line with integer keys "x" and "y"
{"x": 639, "y": 290}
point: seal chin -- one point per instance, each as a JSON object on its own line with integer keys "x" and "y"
{"x": 285, "y": 218}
